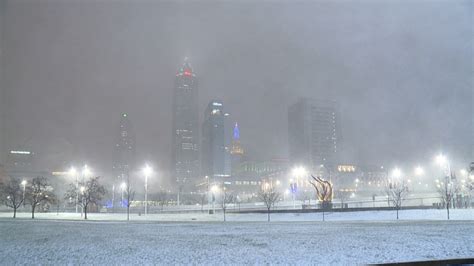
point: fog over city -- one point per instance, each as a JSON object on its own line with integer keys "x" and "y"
{"x": 401, "y": 73}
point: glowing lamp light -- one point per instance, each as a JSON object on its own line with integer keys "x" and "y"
{"x": 397, "y": 173}
{"x": 441, "y": 160}
{"x": 86, "y": 171}
{"x": 72, "y": 171}
{"x": 214, "y": 188}
{"x": 299, "y": 172}
{"x": 419, "y": 171}
{"x": 147, "y": 170}
{"x": 23, "y": 183}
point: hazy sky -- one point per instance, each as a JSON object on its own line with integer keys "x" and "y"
{"x": 401, "y": 71}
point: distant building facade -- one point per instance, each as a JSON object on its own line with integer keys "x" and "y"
{"x": 248, "y": 176}
{"x": 20, "y": 160}
{"x": 313, "y": 133}
{"x": 213, "y": 150}
{"x": 124, "y": 150}
{"x": 185, "y": 157}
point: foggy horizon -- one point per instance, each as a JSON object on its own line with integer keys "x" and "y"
{"x": 398, "y": 71}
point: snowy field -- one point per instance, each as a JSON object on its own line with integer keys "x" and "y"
{"x": 346, "y": 238}
{"x": 429, "y": 214}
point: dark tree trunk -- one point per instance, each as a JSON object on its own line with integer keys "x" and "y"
{"x": 85, "y": 212}
{"x": 397, "y": 213}
{"x": 33, "y": 206}
{"x": 14, "y": 212}
{"x": 268, "y": 213}
{"x": 447, "y": 210}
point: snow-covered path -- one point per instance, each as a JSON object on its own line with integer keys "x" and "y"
{"x": 150, "y": 242}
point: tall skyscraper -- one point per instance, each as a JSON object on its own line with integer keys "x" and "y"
{"x": 236, "y": 150}
{"x": 313, "y": 133}
{"x": 124, "y": 150}
{"x": 213, "y": 142}
{"x": 185, "y": 127}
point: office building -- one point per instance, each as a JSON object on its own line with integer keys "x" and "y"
{"x": 313, "y": 133}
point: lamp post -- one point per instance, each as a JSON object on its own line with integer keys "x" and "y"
{"x": 86, "y": 172}
{"x": 208, "y": 195}
{"x": 23, "y": 183}
{"x": 419, "y": 171}
{"x": 147, "y": 171}
{"x": 123, "y": 186}
{"x": 72, "y": 172}
{"x": 214, "y": 190}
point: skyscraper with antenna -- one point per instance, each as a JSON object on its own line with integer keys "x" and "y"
{"x": 185, "y": 135}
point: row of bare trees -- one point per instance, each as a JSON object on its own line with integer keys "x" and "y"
{"x": 268, "y": 196}
{"x": 37, "y": 192}
{"x": 397, "y": 192}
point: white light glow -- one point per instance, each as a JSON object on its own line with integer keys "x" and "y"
{"x": 396, "y": 173}
{"x": 419, "y": 171}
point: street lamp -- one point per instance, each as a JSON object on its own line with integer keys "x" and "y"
{"x": 299, "y": 172}
{"x": 214, "y": 190}
{"x": 86, "y": 172}
{"x": 123, "y": 186}
{"x": 73, "y": 172}
{"x": 23, "y": 183}
{"x": 419, "y": 171}
{"x": 147, "y": 171}
{"x": 208, "y": 194}
{"x": 443, "y": 162}
{"x": 396, "y": 173}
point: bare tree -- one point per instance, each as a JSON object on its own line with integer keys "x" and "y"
{"x": 396, "y": 192}
{"x": 90, "y": 192}
{"x": 12, "y": 194}
{"x": 269, "y": 197}
{"x": 130, "y": 196}
{"x": 39, "y": 192}
{"x": 226, "y": 200}
{"x": 447, "y": 190}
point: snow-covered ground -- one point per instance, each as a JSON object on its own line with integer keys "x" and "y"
{"x": 345, "y": 238}
{"x": 429, "y": 214}
{"x": 113, "y": 242}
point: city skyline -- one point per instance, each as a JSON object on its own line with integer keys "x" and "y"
{"x": 257, "y": 90}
